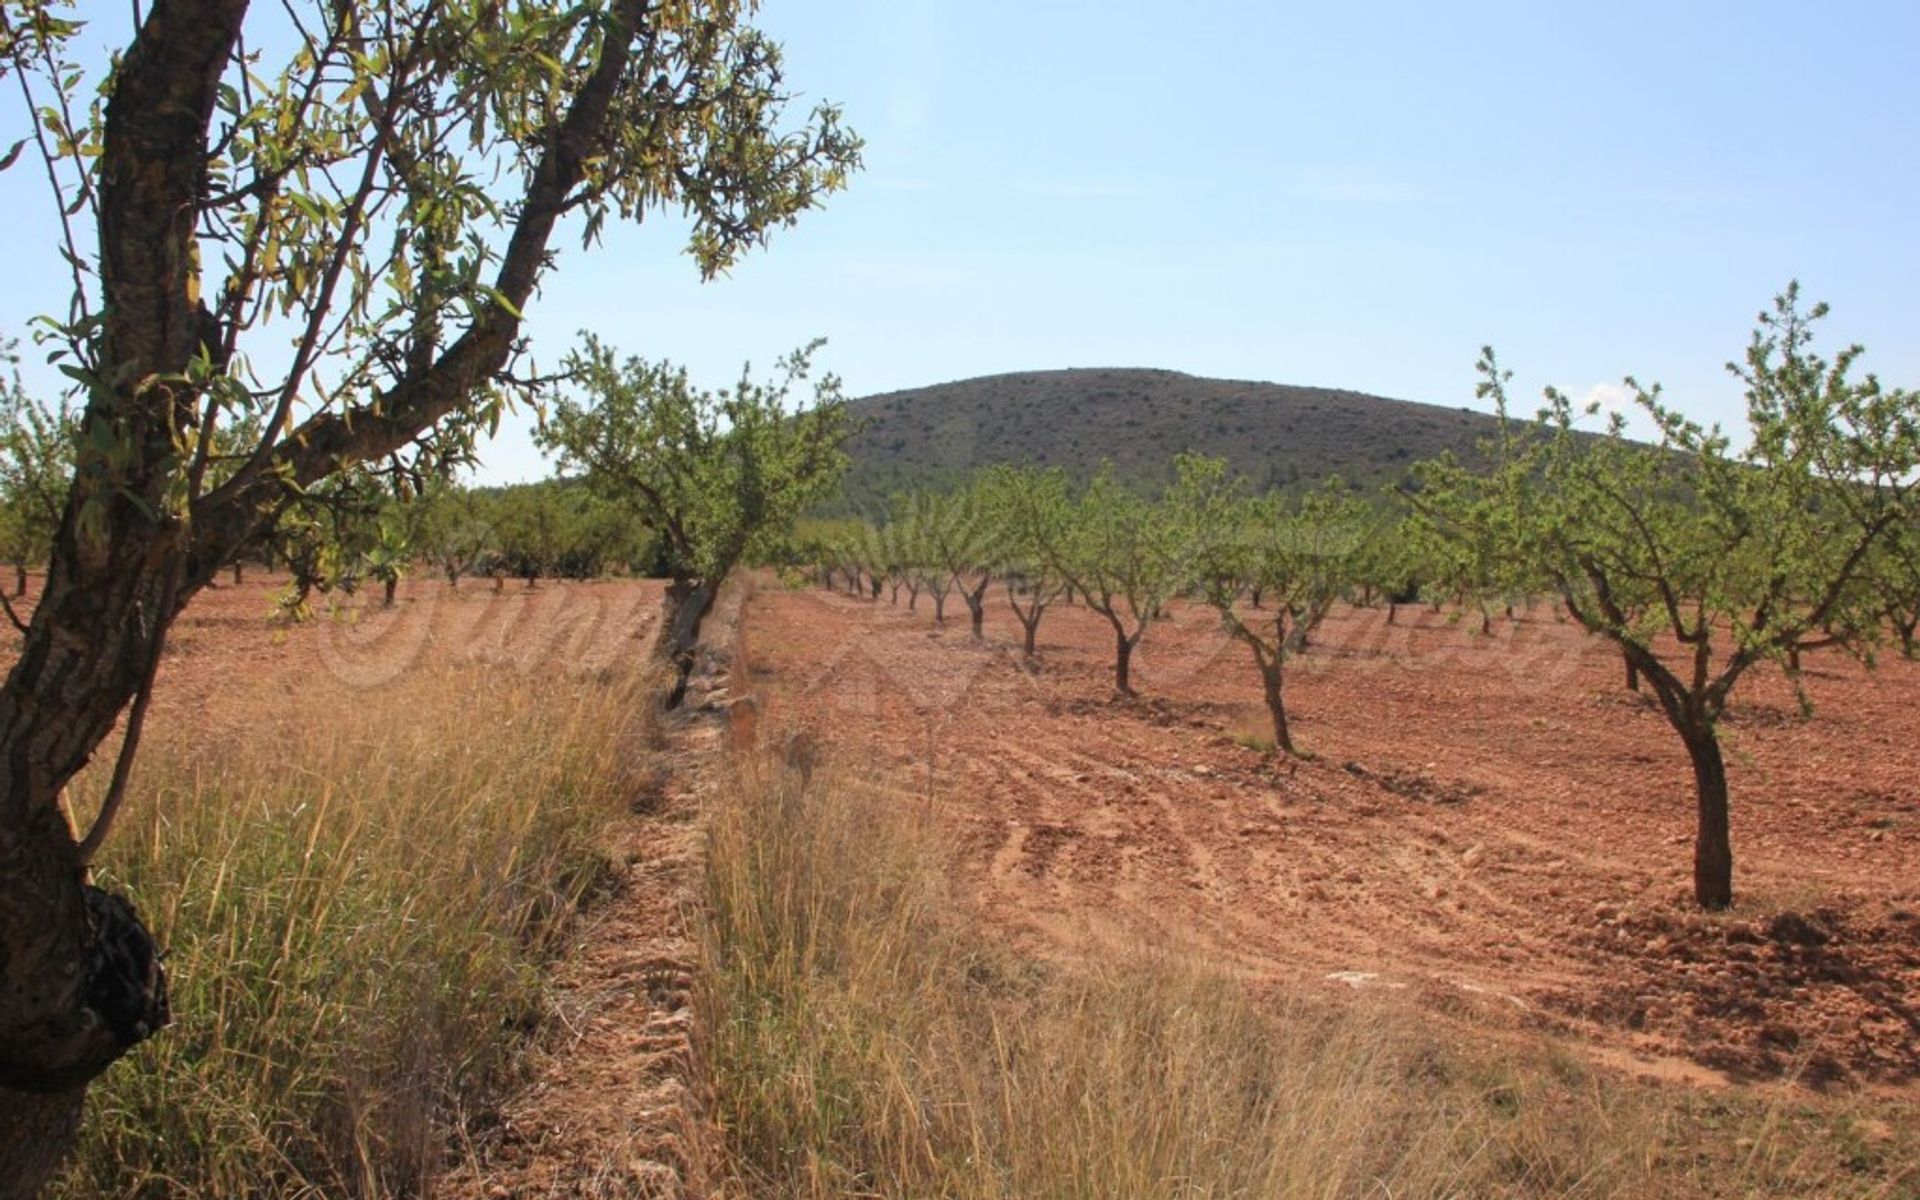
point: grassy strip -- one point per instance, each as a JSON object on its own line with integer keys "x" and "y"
{"x": 356, "y": 907}
{"x": 866, "y": 1042}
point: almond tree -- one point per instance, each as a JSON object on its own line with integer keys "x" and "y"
{"x": 1391, "y": 563}
{"x": 717, "y": 475}
{"x": 1895, "y": 583}
{"x": 959, "y": 538}
{"x": 1127, "y": 556}
{"x": 450, "y": 530}
{"x": 1032, "y": 508}
{"x": 36, "y": 468}
{"x": 919, "y": 516}
{"x": 1700, "y": 561}
{"x": 1301, "y": 556}
{"x": 373, "y": 191}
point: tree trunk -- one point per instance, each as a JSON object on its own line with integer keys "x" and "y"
{"x": 1122, "y": 662}
{"x": 499, "y": 582}
{"x": 874, "y": 583}
{"x": 36, "y": 1132}
{"x": 1033, "y": 630}
{"x": 685, "y": 606}
{"x": 976, "y": 600}
{"x": 893, "y": 595}
{"x": 1255, "y": 598}
{"x": 1713, "y": 842}
{"x": 80, "y": 982}
{"x": 939, "y": 608}
{"x": 239, "y": 572}
{"x": 1270, "y": 681}
{"x": 1393, "y": 609}
{"x": 19, "y": 579}
{"x": 1633, "y": 676}
{"x": 389, "y": 586}
{"x": 913, "y": 598}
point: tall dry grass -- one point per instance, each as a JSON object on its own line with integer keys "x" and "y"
{"x": 356, "y": 903}
{"x": 866, "y": 1042}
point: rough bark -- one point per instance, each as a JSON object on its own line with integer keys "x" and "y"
{"x": 1122, "y": 661}
{"x": 685, "y": 606}
{"x": 19, "y": 579}
{"x": 79, "y": 983}
{"x": 1713, "y": 840}
{"x": 1270, "y": 684}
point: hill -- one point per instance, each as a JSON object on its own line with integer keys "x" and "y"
{"x": 1277, "y": 435}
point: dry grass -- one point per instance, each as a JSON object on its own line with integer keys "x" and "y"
{"x": 868, "y": 1042}
{"x": 356, "y": 903}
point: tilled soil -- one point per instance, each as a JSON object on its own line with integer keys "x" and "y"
{"x": 1491, "y": 826}
{"x": 233, "y": 668}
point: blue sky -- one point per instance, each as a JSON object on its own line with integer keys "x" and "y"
{"x": 1343, "y": 195}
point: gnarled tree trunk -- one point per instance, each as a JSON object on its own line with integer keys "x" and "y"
{"x": 685, "y": 606}
{"x": 79, "y": 980}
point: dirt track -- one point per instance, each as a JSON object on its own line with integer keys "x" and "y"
{"x": 1491, "y": 825}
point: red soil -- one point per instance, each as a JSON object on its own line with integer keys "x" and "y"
{"x": 228, "y": 659}
{"x": 1491, "y": 825}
